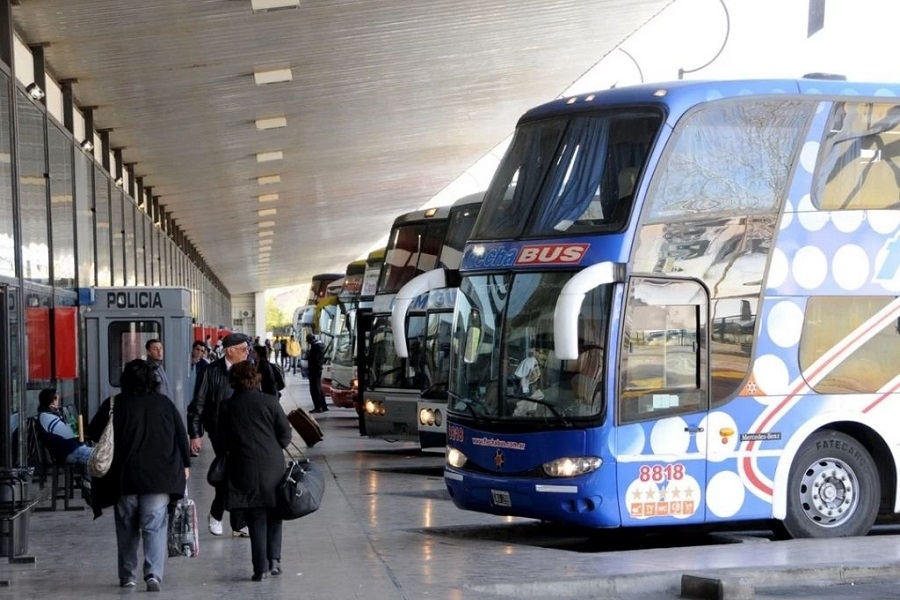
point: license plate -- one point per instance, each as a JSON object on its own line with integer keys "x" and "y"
{"x": 500, "y": 498}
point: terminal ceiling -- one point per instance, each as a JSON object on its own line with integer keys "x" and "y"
{"x": 389, "y": 101}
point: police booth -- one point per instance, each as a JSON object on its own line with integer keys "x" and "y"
{"x": 118, "y": 324}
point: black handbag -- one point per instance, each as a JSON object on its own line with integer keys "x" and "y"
{"x": 300, "y": 490}
{"x": 217, "y": 471}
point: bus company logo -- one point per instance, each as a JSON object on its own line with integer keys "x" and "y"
{"x": 133, "y": 300}
{"x": 455, "y": 433}
{"x": 498, "y": 459}
{"x": 887, "y": 261}
{"x": 552, "y": 254}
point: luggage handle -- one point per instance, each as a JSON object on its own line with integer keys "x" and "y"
{"x": 297, "y": 448}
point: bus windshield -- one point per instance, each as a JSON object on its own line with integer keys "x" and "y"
{"x": 503, "y": 365}
{"x": 577, "y": 172}
{"x": 388, "y": 369}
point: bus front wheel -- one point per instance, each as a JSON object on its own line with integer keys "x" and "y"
{"x": 833, "y": 488}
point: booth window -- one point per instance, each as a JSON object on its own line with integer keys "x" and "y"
{"x": 126, "y": 343}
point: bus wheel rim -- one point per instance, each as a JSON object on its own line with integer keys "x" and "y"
{"x": 829, "y": 492}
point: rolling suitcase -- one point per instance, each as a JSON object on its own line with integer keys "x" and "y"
{"x": 184, "y": 537}
{"x": 304, "y": 424}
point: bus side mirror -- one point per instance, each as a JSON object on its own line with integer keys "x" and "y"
{"x": 473, "y": 337}
{"x": 568, "y": 306}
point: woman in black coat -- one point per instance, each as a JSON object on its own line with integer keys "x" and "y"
{"x": 256, "y": 430}
{"x": 150, "y": 466}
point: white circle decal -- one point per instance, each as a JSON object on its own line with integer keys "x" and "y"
{"x": 850, "y": 267}
{"x": 809, "y": 216}
{"x": 771, "y": 375}
{"x": 725, "y": 494}
{"x": 784, "y": 324}
{"x": 848, "y": 221}
{"x": 629, "y": 439}
{"x": 808, "y": 156}
{"x": 669, "y": 437}
{"x": 884, "y": 221}
{"x": 718, "y": 434}
{"x": 809, "y": 267}
{"x": 778, "y": 269}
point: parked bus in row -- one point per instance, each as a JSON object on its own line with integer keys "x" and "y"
{"x": 429, "y": 299}
{"x": 374, "y": 262}
{"x": 343, "y": 356}
{"x": 413, "y": 247}
{"x": 680, "y": 305}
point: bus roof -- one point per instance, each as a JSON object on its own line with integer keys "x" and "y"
{"x": 429, "y": 214}
{"x": 678, "y": 96}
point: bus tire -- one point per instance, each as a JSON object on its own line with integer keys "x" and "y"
{"x": 833, "y": 488}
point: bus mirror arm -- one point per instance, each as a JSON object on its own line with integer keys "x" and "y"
{"x": 430, "y": 280}
{"x": 568, "y": 306}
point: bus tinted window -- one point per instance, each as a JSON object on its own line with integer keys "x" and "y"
{"x": 580, "y": 171}
{"x": 729, "y": 157}
{"x": 860, "y": 167}
{"x": 871, "y": 352}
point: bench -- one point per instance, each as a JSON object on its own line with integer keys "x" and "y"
{"x": 63, "y": 476}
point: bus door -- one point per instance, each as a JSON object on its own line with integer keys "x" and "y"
{"x": 663, "y": 402}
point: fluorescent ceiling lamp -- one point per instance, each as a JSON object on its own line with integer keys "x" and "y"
{"x": 269, "y": 156}
{"x": 260, "y": 6}
{"x": 267, "y": 76}
{"x": 264, "y": 224}
{"x": 268, "y": 197}
{"x": 266, "y": 233}
{"x": 268, "y": 179}
{"x": 271, "y": 123}
{"x": 267, "y": 212}
{"x": 265, "y": 257}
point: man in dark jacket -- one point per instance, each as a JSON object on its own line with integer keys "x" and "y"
{"x": 212, "y": 390}
{"x": 315, "y": 357}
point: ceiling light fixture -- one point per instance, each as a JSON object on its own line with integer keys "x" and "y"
{"x": 267, "y": 212}
{"x": 269, "y": 156}
{"x": 267, "y": 76}
{"x": 119, "y": 181}
{"x": 268, "y": 179}
{"x": 267, "y": 197}
{"x": 266, "y": 233}
{"x": 271, "y": 123}
{"x": 264, "y": 6}
{"x": 265, "y": 224}
{"x": 87, "y": 145}
{"x": 35, "y": 91}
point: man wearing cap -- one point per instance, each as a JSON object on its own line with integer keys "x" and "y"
{"x": 210, "y": 392}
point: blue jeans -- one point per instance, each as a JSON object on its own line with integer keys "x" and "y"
{"x": 80, "y": 455}
{"x": 138, "y": 517}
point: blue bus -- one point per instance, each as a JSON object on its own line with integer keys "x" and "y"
{"x": 425, "y": 306}
{"x": 680, "y": 304}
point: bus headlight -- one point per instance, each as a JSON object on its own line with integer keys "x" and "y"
{"x": 370, "y": 407}
{"x": 571, "y": 467}
{"x": 438, "y": 418}
{"x": 354, "y": 383}
{"x": 426, "y": 416}
{"x": 455, "y": 458}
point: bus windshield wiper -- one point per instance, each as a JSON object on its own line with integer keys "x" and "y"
{"x": 542, "y": 402}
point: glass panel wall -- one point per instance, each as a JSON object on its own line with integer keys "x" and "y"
{"x": 101, "y": 210}
{"x": 84, "y": 219}
{"x": 33, "y": 192}
{"x": 128, "y": 238}
{"x": 140, "y": 229}
{"x": 7, "y": 233}
{"x": 62, "y": 215}
{"x": 117, "y": 237}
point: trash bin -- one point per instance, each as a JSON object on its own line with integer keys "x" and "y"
{"x": 15, "y": 505}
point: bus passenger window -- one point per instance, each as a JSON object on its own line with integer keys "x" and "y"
{"x": 663, "y": 358}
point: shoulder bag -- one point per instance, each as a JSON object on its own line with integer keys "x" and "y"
{"x": 102, "y": 456}
{"x": 301, "y": 488}
{"x": 217, "y": 470}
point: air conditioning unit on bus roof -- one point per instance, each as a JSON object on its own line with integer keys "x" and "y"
{"x": 246, "y": 314}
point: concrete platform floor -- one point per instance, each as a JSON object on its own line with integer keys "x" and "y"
{"x": 388, "y": 530}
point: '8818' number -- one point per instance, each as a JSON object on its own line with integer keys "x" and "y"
{"x": 658, "y": 473}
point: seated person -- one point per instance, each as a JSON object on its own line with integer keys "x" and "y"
{"x": 58, "y": 437}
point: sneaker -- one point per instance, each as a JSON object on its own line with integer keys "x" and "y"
{"x": 153, "y": 584}
{"x": 127, "y": 584}
{"x": 215, "y": 526}
{"x": 242, "y": 532}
